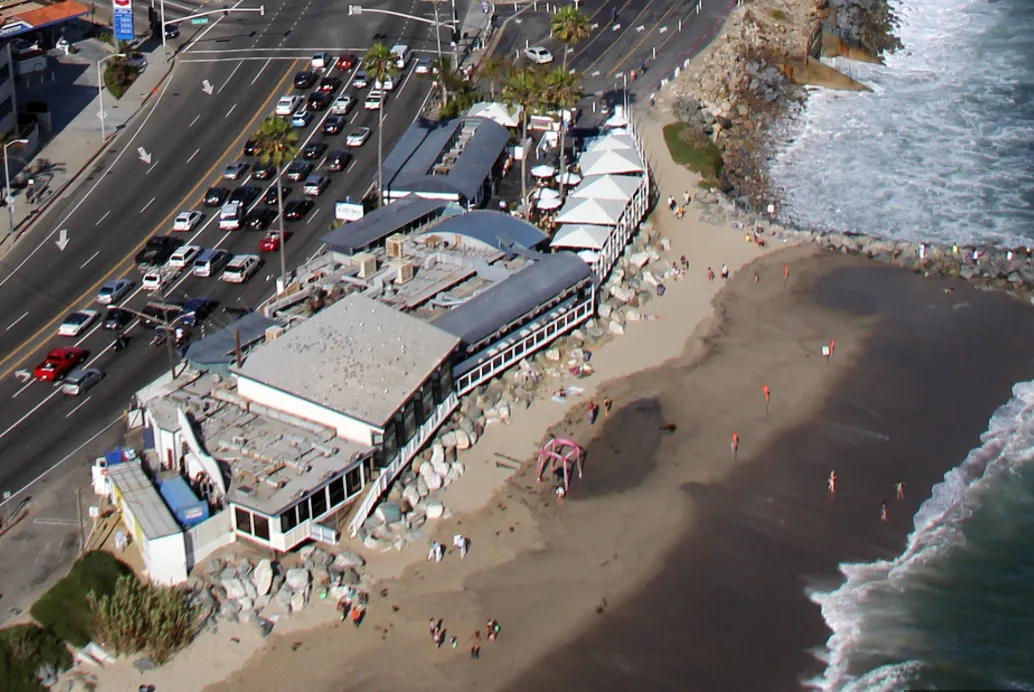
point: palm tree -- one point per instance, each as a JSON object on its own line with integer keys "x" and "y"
{"x": 380, "y": 64}
{"x": 522, "y": 89}
{"x": 569, "y": 26}
{"x": 492, "y": 68}
{"x": 276, "y": 142}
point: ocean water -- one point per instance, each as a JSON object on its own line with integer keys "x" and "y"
{"x": 956, "y": 609}
{"x": 943, "y": 149}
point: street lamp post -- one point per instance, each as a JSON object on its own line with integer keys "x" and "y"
{"x": 7, "y": 182}
{"x": 165, "y": 50}
{"x": 100, "y": 87}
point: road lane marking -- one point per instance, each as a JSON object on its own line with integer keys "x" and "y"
{"x": 261, "y": 69}
{"x": 631, "y": 53}
{"x": 92, "y": 257}
{"x": 193, "y": 155}
{"x": 27, "y": 385}
{"x": 231, "y": 110}
{"x": 193, "y": 42}
{"x": 102, "y": 218}
{"x": 313, "y": 215}
{"x": 147, "y": 205}
{"x": 231, "y": 76}
{"x": 196, "y": 118}
{"x": 81, "y": 404}
{"x": 152, "y": 167}
{"x": 17, "y": 321}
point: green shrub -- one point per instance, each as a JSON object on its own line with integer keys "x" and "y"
{"x": 105, "y": 37}
{"x": 24, "y": 650}
{"x": 139, "y": 616}
{"x": 118, "y": 76}
{"x": 779, "y": 15}
{"x": 64, "y": 608}
{"x": 693, "y": 149}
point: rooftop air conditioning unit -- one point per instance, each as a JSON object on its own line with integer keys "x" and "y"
{"x": 273, "y": 332}
{"x": 404, "y": 273}
{"x": 367, "y": 264}
{"x": 394, "y": 245}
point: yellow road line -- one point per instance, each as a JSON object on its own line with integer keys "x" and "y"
{"x": 29, "y": 344}
{"x": 642, "y": 41}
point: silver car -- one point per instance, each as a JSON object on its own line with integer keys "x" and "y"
{"x": 113, "y": 291}
{"x": 81, "y": 380}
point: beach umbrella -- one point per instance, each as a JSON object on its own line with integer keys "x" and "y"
{"x": 607, "y": 162}
{"x": 619, "y": 187}
{"x": 580, "y": 237}
{"x": 543, "y": 171}
{"x": 598, "y": 212}
{"x": 588, "y": 256}
{"x": 570, "y": 178}
{"x": 545, "y": 193}
{"x": 549, "y": 203}
{"x": 612, "y": 140}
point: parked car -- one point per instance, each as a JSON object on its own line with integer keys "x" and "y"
{"x": 337, "y": 161}
{"x": 539, "y": 55}
{"x": 113, "y": 291}
{"x": 357, "y": 138}
{"x": 214, "y": 196}
{"x": 315, "y": 185}
{"x": 81, "y": 380}
{"x": 58, "y": 363}
{"x": 298, "y": 170}
{"x": 187, "y": 220}
{"x": 235, "y": 170}
{"x": 77, "y": 322}
{"x": 334, "y": 124}
{"x": 314, "y": 150}
{"x": 240, "y": 269}
{"x": 297, "y": 209}
{"x": 288, "y": 104}
{"x": 341, "y": 105}
{"x": 305, "y": 79}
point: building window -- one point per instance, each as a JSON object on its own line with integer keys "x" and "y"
{"x": 391, "y": 442}
{"x": 261, "y": 527}
{"x": 436, "y": 389}
{"x": 303, "y": 511}
{"x": 288, "y": 520}
{"x": 337, "y": 491}
{"x": 418, "y": 407}
{"x": 243, "y": 519}
{"x": 319, "y": 502}
{"x": 409, "y": 421}
{"x": 445, "y": 373}
{"x": 354, "y": 481}
{"x": 368, "y": 472}
{"x": 428, "y": 396}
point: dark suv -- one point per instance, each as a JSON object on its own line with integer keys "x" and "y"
{"x": 304, "y": 80}
{"x": 158, "y": 250}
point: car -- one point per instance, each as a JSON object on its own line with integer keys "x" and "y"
{"x": 113, "y": 291}
{"x": 315, "y": 185}
{"x": 157, "y": 250}
{"x": 337, "y": 161}
{"x": 172, "y": 31}
{"x": 271, "y": 241}
{"x": 184, "y": 256}
{"x": 81, "y": 380}
{"x": 240, "y": 269}
{"x": 195, "y": 310}
{"x": 187, "y": 220}
{"x": 270, "y": 196}
{"x": 214, "y": 196}
{"x": 305, "y": 79}
{"x": 77, "y": 322}
{"x": 58, "y": 363}
{"x": 250, "y": 147}
{"x": 342, "y": 105}
{"x": 329, "y": 85}
{"x": 246, "y": 194}
{"x": 361, "y": 80}
{"x": 313, "y": 151}
{"x": 210, "y": 262}
{"x": 153, "y": 281}
{"x": 320, "y": 60}
{"x": 374, "y": 100}
{"x": 357, "y": 138}
{"x": 116, "y": 318}
{"x": 402, "y": 54}
{"x": 387, "y": 85}
{"x": 288, "y": 104}
{"x": 160, "y": 312}
{"x": 318, "y": 101}
{"x": 263, "y": 171}
{"x": 334, "y": 124}
{"x": 301, "y": 118}
{"x": 347, "y": 62}
{"x": 259, "y": 218}
{"x": 235, "y": 170}
{"x": 298, "y": 170}
{"x": 296, "y": 209}
{"x": 230, "y": 216}
{"x": 539, "y": 55}
{"x": 423, "y": 66}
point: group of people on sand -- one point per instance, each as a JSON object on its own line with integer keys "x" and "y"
{"x": 352, "y": 605}
{"x": 899, "y": 487}
{"x": 678, "y": 210}
{"x": 439, "y": 635}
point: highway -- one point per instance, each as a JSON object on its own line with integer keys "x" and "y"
{"x": 190, "y": 136}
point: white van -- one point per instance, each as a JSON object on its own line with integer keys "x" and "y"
{"x": 402, "y": 55}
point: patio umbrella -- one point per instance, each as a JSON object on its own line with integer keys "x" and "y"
{"x": 549, "y": 203}
{"x": 588, "y": 256}
{"x": 581, "y": 237}
{"x": 570, "y": 178}
{"x": 543, "y": 171}
{"x": 544, "y": 193}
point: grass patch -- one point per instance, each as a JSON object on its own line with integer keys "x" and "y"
{"x": 25, "y": 651}
{"x": 779, "y": 15}
{"x": 143, "y": 617}
{"x": 65, "y": 610}
{"x": 118, "y": 76}
{"x": 694, "y": 150}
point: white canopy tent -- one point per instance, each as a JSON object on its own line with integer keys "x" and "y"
{"x": 499, "y": 112}
{"x": 588, "y": 256}
{"x": 604, "y": 162}
{"x": 598, "y": 212}
{"x": 619, "y": 187}
{"x": 611, "y": 141}
{"x": 580, "y": 237}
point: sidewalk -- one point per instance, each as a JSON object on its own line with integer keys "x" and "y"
{"x": 65, "y": 157}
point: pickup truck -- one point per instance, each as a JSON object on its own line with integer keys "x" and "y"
{"x": 157, "y": 251}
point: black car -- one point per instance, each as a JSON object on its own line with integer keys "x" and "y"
{"x": 249, "y": 147}
{"x": 304, "y": 80}
{"x": 215, "y": 196}
{"x": 116, "y": 318}
{"x": 270, "y": 196}
{"x": 172, "y": 30}
{"x": 195, "y": 310}
{"x": 318, "y": 101}
{"x": 263, "y": 171}
{"x": 246, "y": 194}
{"x": 158, "y": 250}
{"x": 313, "y": 151}
{"x": 334, "y": 124}
{"x": 328, "y": 85}
{"x": 259, "y": 218}
{"x": 295, "y": 210}
{"x": 298, "y": 170}
{"x": 338, "y": 161}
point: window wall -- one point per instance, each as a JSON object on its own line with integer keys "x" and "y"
{"x": 331, "y": 496}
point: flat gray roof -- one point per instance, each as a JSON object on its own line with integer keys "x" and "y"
{"x": 382, "y": 222}
{"x": 358, "y": 357}
{"x": 498, "y": 230}
{"x": 514, "y": 298}
{"x": 219, "y": 347}
{"x": 143, "y": 500}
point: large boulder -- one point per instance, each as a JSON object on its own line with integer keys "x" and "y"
{"x": 388, "y": 513}
{"x": 249, "y": 589}
{"x": 411, "y": 495}
{"x": 244, "y": 568}
{"x": 437, "y": 454}
{"x": 421, "y": 487}
{"x": 298, "y": 601}
{"x": 449, "y": 440}
{"x": 298, "y": 579}
{"x": 435, "y": 509}
{"x": 463, "y": 440}
{"x": 234, "y": 589}
{"x": 262, "y": 576}
{"x": 345, "y": 560}
{"x": 350, "y": 577}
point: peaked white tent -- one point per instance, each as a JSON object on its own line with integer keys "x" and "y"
{"x": 500, "y": 113}
{"x": 598, "y": 212}
{"x": 610, "y": 142}
{"x": 604, "y": 162}
{"x": 580, "y": 237}
{"x": 620, "y": 187}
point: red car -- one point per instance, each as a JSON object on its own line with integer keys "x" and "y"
{"x": 58, "y": 363}
{"x": 346, "y": 62}
{"x": 271, "y": 241}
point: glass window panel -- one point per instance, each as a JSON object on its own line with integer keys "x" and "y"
{"x": 337, "y": 492}
{"x": 319, "y": 502}
{"x": 243, "y": 519}
{"x": 261, "y": 527}
{"x": 354, "y": 481}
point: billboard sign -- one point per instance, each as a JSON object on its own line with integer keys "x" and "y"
{"x": 122, "y": 18}
{"x": 348, "y": 211}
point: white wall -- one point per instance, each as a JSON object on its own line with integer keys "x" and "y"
{"x": 205, "y": 538}
{"x": 164, "y": 440}
{"x": 166, "y": 559}
{"x": 346, "y": 427}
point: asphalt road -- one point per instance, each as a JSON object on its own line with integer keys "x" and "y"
{"x": 190, "y": 137}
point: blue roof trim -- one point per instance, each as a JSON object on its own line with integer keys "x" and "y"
{"x": 493, "y": 228}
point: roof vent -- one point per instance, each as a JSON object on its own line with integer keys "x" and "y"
{"x": 367, "y": 264}
{"x": 274, "y": 332}
{"x": 394, "y": 245}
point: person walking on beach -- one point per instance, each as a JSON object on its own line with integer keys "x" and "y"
{"x": 594, "y": 411}
{"x": 735, "y": 446}
{"x": 900, "y": 487}
{"x": 832, "y": 483}
{"x": 756, "y": 277}
{"x": 475, "y": 645}
{"x": 460, "y": 541}
{"x": 685, "y": 198}
{"x": 710, "y": 274}
{"x": 883, "y": 512}
{"x": 786, "y": 273}
{"x": 725, "y": 271}
{"x": 671, "y": 203}
{"x": 357, "y": 615}
{"x": 436, "y": 552}
{"x": 607, "y": 405}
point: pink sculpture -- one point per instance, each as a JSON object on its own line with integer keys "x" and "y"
{"x": 560, "y": 452}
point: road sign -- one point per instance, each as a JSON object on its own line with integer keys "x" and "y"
{"x": 122, "y": 15}
{"x": 199, "y": 20}
{"x": 354, "y": 10}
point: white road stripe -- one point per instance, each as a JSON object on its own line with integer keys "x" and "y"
{"x": 230, "y": 111}
{"x": 102, "y": 218}
{"x": 231, "y": 76}
{"x": 92, "y": 257}
{"x": 193, "y": 155}
{"x": 147, "y": 205}
{"x": 196, "y": 118}
{"x": 17, "y": 320}
{"x": 261, "y": 69}
{"x": 81, "y": 404}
